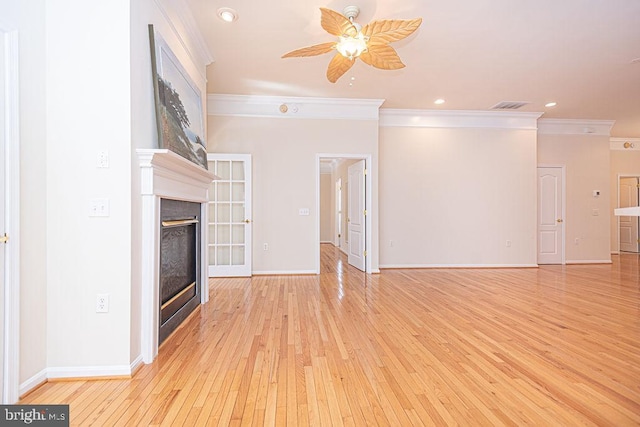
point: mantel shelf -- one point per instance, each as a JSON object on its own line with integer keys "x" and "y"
{"x": 632, "y": 211}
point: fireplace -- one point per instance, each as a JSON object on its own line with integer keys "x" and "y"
{"x": 179, "y": 263}
{"x": 168, "y": 179}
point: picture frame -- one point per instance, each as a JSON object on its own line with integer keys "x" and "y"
{"x": 178, "y": 104}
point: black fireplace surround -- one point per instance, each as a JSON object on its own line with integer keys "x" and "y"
{"x": 180, "y": 231}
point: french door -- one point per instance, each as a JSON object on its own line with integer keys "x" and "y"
{"x": 229, "y": 243}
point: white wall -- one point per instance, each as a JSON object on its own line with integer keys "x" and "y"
{"x": 623, "y": 161}
{"x": 586, "y": 157}
{"x": 284, "y": 179}
{"x": 88, "y": 110}
{"x": 452, "y": 195}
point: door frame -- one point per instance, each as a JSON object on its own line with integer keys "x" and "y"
{"x": 563, "y": 207}
{"x": 621, "y": 175}
{"x": 369, "y": 206}
{"x": 12, "y": 220}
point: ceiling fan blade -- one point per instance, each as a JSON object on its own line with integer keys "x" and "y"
{"x": 338, "y": 66}
{"x": 314, "y": 50}
{"x": 336, "y": 23}
{"x": 382, "y": 56}
{"x": 390, "y": 30}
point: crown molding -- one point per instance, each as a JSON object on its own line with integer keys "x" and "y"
{"x": 179, "y": 12}
{"x": 458, "y": 119}
{"x": 293, "y": 107}
{"x": 575, "y": 127}
{"x": 618, "y": 144}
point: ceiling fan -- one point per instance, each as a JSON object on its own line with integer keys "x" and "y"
{"x": 369, "y": 43}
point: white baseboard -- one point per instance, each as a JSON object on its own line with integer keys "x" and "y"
{"x": 327, "y": 241}
{"x": 390, "y": 266}
{"x": 88, "y": 371}
{"x": 615, "y": 252}
{"x": 136, "y": 364}
{"x": 33, "y": 382}
{"x": 283, "y": 272}
{"x": 588, "y": 261}
{"x": 78, "y": 372}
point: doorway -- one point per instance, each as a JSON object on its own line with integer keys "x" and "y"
{"x": 353, "y": 234}
{"x": 628, "y": 226}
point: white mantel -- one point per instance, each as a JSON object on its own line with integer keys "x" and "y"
{"x": 632, "y": 211}
{"x": 165, "y": 174}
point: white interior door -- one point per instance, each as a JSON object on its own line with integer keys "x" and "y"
{"x": 356, "y": 215}
{"x": 550, "y": 216}
{"x": 629, "y": 239}
{"x": 230, "y": 215}
{"x": 3, "y": 228}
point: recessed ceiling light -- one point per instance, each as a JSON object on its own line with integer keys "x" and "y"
{"x": 439, "y": 101}
{"x": 550, "y": 104}
{"x": 227, "y": 14}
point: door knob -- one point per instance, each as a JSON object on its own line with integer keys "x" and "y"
{"x": 558, "y": 220}
{"x": 247, "y": 221}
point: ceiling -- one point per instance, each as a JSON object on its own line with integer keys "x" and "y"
{"x": 582, "y": 54}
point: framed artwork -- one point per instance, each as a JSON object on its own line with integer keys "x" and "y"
{"x": 179, "y": 115}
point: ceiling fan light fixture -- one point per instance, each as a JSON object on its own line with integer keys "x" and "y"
{"x": 352, "y": 47}
{"x": 227, "y": 14}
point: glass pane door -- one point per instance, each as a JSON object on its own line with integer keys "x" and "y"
{"x": 230, "y": 215}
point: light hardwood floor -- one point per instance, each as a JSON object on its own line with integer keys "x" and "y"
{"x": 556, "y": 345}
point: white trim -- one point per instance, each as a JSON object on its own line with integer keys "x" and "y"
{"x": 617, "y": 144}
{"x": 88, "y": 371}
{"x": 296, "y": 107}
{"x": 615, "y": 252}
{"x": 575, "y": 127}
{"x": 135, "y": 364}
{"x": 326, "y": 241}
{"x": 458, "y": 119}
{"x": 408, "y": 266}
{"x": 589, "y": 261}
{"x": 79, "y": 372}
{"x": 371, "y": 213}
{"x": 33, "y": 382}
{"x": 200, "y": 56}
{"x": 165, "y": 174}
{"x": 11, "y": 310}
{"x": 284, "y": 272}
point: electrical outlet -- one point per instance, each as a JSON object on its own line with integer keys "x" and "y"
{"x": 103, "y": 159}
{"x": 102, "y": 303}
{"x": 265, "y": 247}
{"x": 508, "y": 243}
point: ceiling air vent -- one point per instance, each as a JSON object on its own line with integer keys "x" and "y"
{"x": 509, "y": 105}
